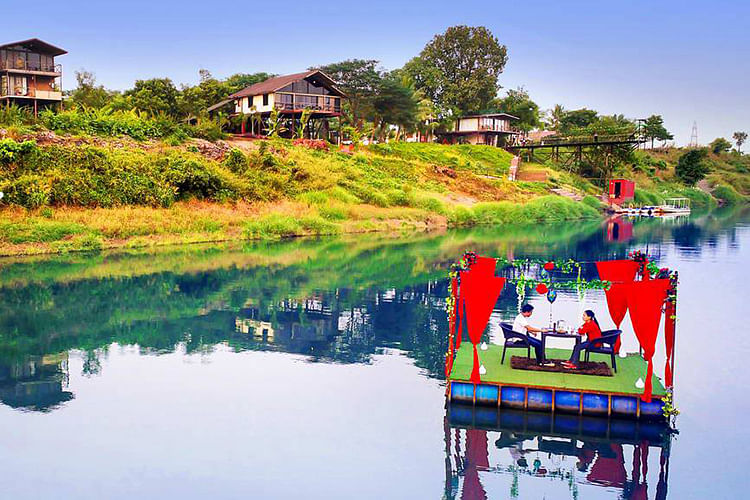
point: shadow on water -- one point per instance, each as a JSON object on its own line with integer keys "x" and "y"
{"x": 336, "y": 300}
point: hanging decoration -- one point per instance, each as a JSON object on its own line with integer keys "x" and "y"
{"x": 541, "y": 289}
{"x": 645, "y": 300}
{"x": 670, "y": 320}
{"x": 621, "y": 272}
{"x": 549, "y": 266}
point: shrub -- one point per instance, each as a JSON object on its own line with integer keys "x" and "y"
{"x": 728, "y": 195}
{"x": 593, "y": 202}
{"x": 692, "y": 166}
{"x": 315, "y": 144}
{"x": 314, "y": 198}
{"x": 332, "y": 212}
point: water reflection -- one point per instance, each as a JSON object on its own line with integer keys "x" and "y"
{"x": 516, "y": 454}
{"x": 339, "y": 301}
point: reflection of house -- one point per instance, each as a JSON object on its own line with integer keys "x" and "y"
{"x": 493, "y": 129}
{"x": 254, "y": 327}
{"x": 290, "y": 95}
{"x": 29, "y": 75}
{"x": 35, "y": 383}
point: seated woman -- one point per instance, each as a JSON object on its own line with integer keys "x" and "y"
{"x": 592, "y": 331}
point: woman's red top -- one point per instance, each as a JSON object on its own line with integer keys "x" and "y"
{"x": 591, "y": 329}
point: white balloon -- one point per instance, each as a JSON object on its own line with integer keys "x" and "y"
{"x": 483, "y": 346}
{"x": 640, "y": 384}
{"x": 482, "y": 370}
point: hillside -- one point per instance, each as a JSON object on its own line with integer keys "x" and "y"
{"x": 64, "y": 192}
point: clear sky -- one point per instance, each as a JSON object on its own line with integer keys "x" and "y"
{"x": 686, "y": 60}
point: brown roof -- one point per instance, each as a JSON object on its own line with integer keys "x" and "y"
{"x": 279, "y": 82}
{"x": 37, "y": 44}
{"x": 491, "y": 115}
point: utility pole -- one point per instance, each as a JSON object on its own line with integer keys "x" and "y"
{"x": 694, "y": 136}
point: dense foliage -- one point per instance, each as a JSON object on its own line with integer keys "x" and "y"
{"x": 692, "y": 166}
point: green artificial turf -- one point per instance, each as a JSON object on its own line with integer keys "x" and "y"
{"x": 628, "y": 371}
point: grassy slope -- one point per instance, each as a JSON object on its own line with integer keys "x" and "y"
{"x": 87, "y": 194}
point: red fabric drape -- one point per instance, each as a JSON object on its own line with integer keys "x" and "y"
{"x": 620, "y": 273}
{"x": 479, "y": 291}
{"x": 477, "y": 457}
{"x": 645, "y": 300}
{"x": 609, "y": 471}
{"x": 669, "y": 330}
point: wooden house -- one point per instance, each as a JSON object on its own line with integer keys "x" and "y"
{"x": 492, "y": 129}
{"x": 29, "y": 75}
{"x": 289, "y": 96}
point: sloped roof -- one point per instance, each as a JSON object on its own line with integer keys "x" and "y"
{"x": 38, "y": 45}
{"x": 279, "y": 82}
{"x": 491, "y": 115}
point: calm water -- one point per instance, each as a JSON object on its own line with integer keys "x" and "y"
{"x": 315, "y": 368}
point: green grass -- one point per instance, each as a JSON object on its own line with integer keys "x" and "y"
{"x": 276, "y": 226}
{"x": 629, "y": 369}
{"x": 543, "y": 209}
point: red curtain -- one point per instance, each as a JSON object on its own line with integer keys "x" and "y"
{"x": 669, "y": 328}
{"x": 620, "y": 273}
{"x": 645, "y": 300}
{"x": 477, "y": 458}
{"x": 480, "y": 289}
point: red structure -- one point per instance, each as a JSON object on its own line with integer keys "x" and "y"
{"x": 621, "y": 190}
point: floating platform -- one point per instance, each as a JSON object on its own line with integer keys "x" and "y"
{"x": 555, "y": 392}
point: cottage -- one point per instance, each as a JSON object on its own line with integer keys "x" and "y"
{"x": 493, "y": 129}
{"x": 289, "y": 96}
{"x": 29, "y": 76}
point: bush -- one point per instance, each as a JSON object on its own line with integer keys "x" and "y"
{"x": 728, "y": 195}
{"x": 593, "y": 202}
{"x": 332, "y": 212}
{"x": 692, "y": 166}
{"x": 643, "y": 197}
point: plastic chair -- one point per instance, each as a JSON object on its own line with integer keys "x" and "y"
{"x": 604, "y": 345}
{"x": 514, "y": 340}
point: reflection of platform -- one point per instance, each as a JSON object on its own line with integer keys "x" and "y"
{"x": 625, "y": 431}
{"x": 557, "y": 392}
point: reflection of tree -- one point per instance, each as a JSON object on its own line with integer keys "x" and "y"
{"x": 332, "y": 300}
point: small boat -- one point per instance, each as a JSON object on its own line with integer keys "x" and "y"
{"x": 675, "y": 206}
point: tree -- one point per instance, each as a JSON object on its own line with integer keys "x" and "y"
{"x": 692, "y": 166}
{"x": 239, "y": 81}
{"x": 87, "y": 93}
{"x": 720, "y": 145}
{"x": 459, "y": 69}
{"x": 518, "y": 103}
{"x": 193, "y": 101}
{"x": 739, "y": 138}
{"x": 578, "y": 118}
{"x": 394, "y": 104}
{"x": 157, "y": 95}
{"x": 359, "y": 80}
{"x": 654, "y": 129}
{"x": 555, "y": 116}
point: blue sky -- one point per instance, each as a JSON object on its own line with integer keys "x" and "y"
{"x": 685, "y": 60}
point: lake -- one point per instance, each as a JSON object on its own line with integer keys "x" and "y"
{"x": 314, "y": 367}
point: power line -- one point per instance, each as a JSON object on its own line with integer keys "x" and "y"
{"x": 694, "y": 136}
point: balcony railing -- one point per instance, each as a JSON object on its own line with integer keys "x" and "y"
{"x": 51, "y": 95}
{"x": 22, "y": 65}
{"x": 288, "y": 106}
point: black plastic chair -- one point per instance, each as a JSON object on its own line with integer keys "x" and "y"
{"x": 605, "y": 345}
{"x": 514, "y": 340}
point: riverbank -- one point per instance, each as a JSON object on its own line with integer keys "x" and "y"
{"x": 65, "y": 193}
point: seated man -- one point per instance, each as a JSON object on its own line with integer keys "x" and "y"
{"x": 521, "y": 325}
{"x": 592, "y": 331}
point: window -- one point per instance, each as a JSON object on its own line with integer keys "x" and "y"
{"x": 265, "y": 99}
{"x": 249, "y": 102}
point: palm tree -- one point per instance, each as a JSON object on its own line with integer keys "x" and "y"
{"x": 556, "y": 115}
{"x": 739, "y": 138}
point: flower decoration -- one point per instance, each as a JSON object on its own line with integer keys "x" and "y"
{"x": 541, "y": 288}
{"x": 549, "y": 266}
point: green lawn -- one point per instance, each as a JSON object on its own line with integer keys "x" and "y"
{"x": 628, "y": 371}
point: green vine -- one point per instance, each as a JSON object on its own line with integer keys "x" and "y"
{"x": 669, "y": 410}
